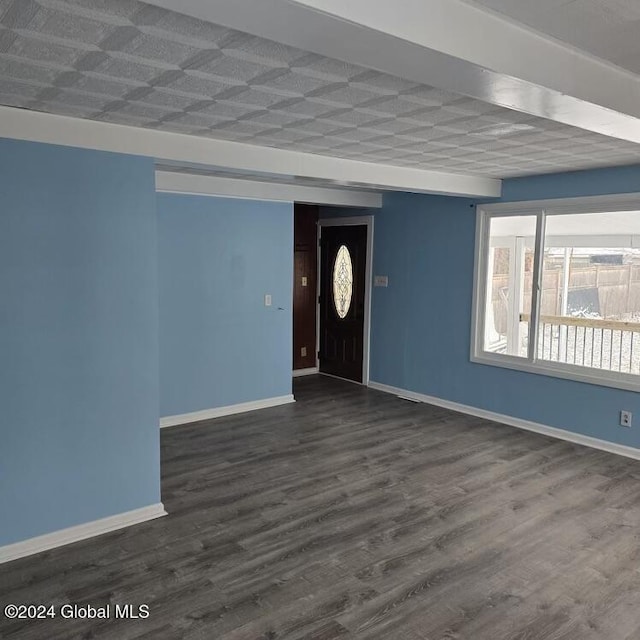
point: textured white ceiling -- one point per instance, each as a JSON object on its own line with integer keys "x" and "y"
{"x": 126, "y": 62}
{"x": 608, "y": 29}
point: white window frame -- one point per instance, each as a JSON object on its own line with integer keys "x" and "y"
{"x": 542, "y": 209}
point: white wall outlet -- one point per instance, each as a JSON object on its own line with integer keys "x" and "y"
{"x": 380, "y": 281}
{"x": 303, "y": 352}
{"x": 625, "y": 418}
{"x": 267, "y": 299}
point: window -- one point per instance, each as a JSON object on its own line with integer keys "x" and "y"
{"x": 342, "y": 282}
{"x": 558, "y": 289}
{"x": 509, "y": 281}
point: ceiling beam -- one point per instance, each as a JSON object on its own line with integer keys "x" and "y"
{"x": 181, "y": 149}
{"x": 450, "y": 45}
{"x": 186, "y": 183}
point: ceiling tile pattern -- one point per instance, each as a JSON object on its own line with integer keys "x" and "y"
{"x": 126, "y": 62}
{"x": 608, "y": 29}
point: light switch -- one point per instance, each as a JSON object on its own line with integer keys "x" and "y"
{"x": 267, "y": 300}
{"x": 303, "y": 352}
{"x": 304, "y": 281}
{"x": 380, "y": 281}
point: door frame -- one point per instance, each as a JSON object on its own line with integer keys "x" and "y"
{"x": 368, "y": 277}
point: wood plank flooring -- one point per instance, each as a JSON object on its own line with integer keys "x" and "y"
{"x": 356, "y": 515}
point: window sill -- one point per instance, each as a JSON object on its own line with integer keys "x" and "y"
{"x": 613, "y": 379}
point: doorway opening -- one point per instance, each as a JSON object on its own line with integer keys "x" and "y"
{"x": 332, "y": 294}
{"x": 305, "y": 289}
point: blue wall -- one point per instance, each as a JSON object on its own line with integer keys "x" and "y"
{"x": 219, "y": 344}
{"x": 81, "y": 248}
{"x": 421, "y": 323}
{"x": 78, "y": 337}
{"x": 594, "y": 182}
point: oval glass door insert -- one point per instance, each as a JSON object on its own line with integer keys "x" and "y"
{"x": 342, "y": 282}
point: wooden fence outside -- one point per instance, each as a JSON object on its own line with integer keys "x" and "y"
{"x": 618, "y": 291}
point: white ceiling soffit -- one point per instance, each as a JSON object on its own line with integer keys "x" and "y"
{"x": 179, "y": 148}
{"x": 447, "y": 44}
{"x": 259, "y": 176}
{"x": 183, "y": 182}
{"x": 607, "y": 29}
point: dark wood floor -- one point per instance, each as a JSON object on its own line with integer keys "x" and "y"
{"x": 354, "y": 514}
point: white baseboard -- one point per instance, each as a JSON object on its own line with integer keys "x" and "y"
{"x": 79, "y": 532}
{"x": 297, "y": 373}
{"x": 554, "y": 432}
{"x": 218, "y": 412}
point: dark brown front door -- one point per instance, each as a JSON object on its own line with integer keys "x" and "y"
{"x": 342, "y": 294}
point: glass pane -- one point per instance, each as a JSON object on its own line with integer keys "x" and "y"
{"x": 590, "y": 304}
{"x": 509, "y": 282}
{"x": 342, "y": 281}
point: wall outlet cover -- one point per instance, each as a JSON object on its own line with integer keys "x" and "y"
{"x": 625, "y": 418}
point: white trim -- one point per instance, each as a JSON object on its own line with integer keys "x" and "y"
{"x": 352, "y": 221}
{"x": 536, "y": 285}
{"x": 299, "y": 373}
{"x": 581, "y": 204}
{"x": 566, "y": 371}
{"x": 80, "y": 532}
{"x": 185, "y": 183}
{"x": 202, "y": 152}
{"x": 218, "y": 412}
{"x": 541, "y": 209}
{"x": 527, "y": 425}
